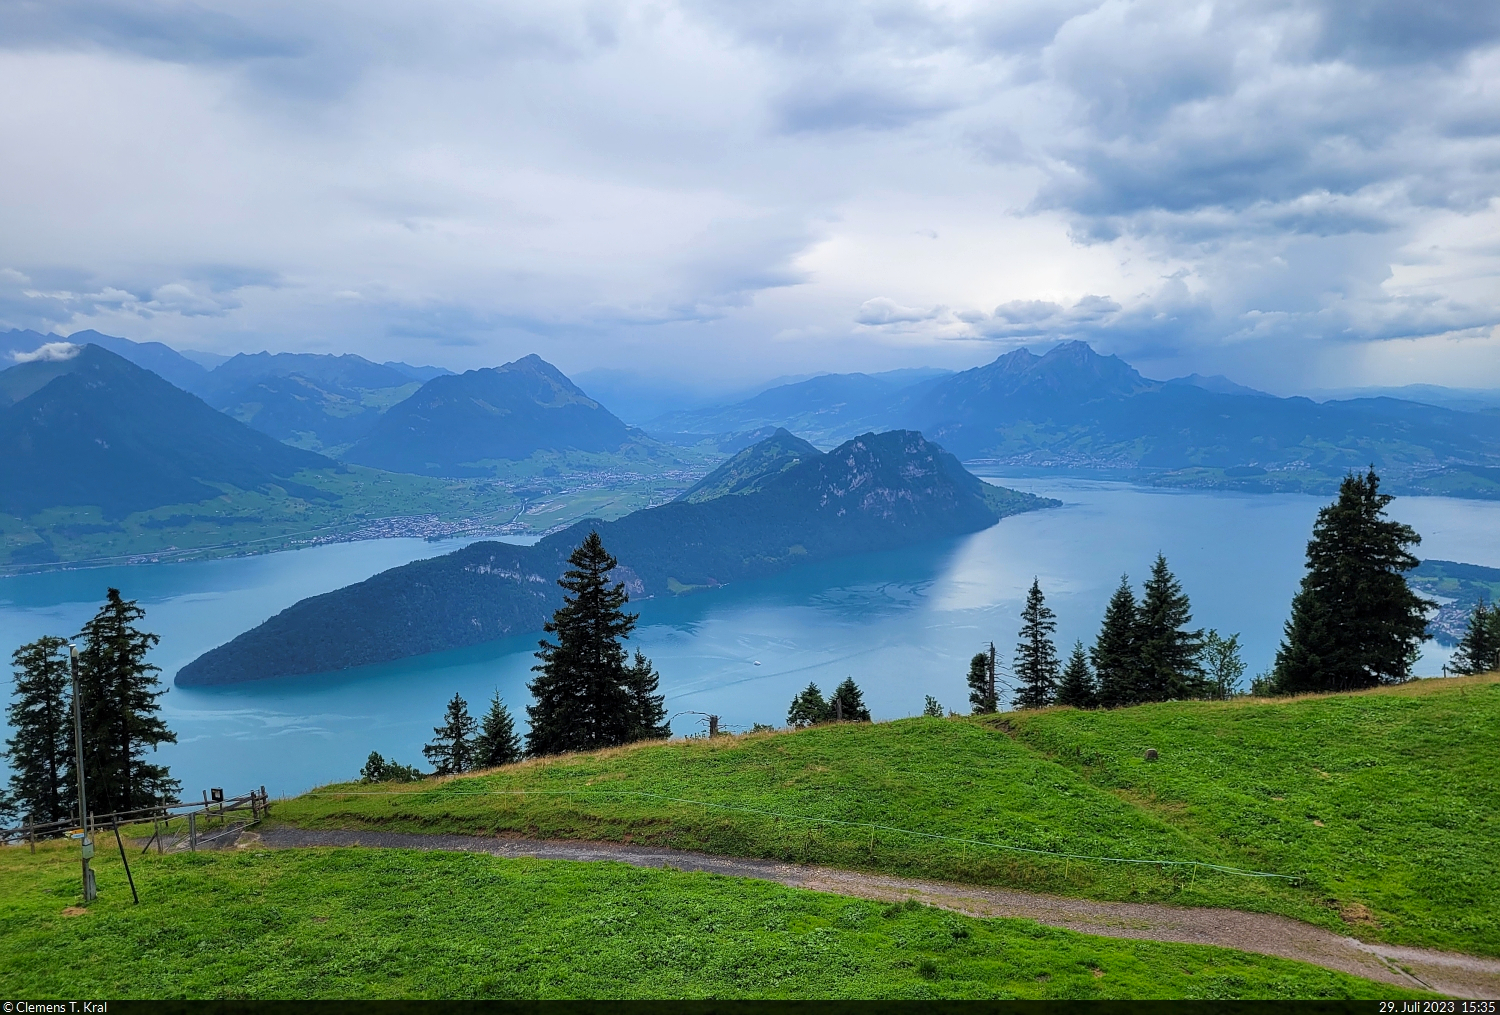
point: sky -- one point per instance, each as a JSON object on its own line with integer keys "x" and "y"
{"x": 1297, "y": 195}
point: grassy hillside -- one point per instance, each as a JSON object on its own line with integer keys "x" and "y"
{"x": 1402, "y": 782}
{"x": 396, "y": 924}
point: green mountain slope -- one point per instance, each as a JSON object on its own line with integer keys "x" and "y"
{"x": 873, "y": 493}
{"x": 97, "y": 430}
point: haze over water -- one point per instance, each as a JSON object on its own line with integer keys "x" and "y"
{"x": 903, "y": 624}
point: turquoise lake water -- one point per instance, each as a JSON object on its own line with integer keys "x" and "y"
{"x": 903, "y": 624}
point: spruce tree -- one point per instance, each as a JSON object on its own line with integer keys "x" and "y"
{"x": 583, "y": 701}
{"x": 1116, "y": 653}
{"x": 648, "y": 710}
{"x": 849, "y": 702}
{"x": 1168, "y": 653}
{"x": 1354, "y": 622}
{"x": 41, "y": 751}
{"x": 984, "y": 697}
{"x": 452, "y": 749}
{"x": 1077, "y": 685}
{"x": 1222, "y": 664}
{"x": 932, "y": 708}
{"x": 119, "y": 691}
{"x": 1477, "y": 650}
{"x": 497, "y": 743}
{"x": 1036, "y": 656}
{"x": 808, "y": 708}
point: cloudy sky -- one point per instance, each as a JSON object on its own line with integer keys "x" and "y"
{"x": 1296, "y": 194}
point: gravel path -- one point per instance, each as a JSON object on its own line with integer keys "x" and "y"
{"x": 1449, "y": 973}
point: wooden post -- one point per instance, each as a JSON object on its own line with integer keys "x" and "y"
{"x": 254, "y": 812}
{"x": 838, "y": 709}
{"x": 31, "y": 831}
{"x": 265, "y": 802}
{"x": 193, "y": 831}
{"x": 713, "y": 726}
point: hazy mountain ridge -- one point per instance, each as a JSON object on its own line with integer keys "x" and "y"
{"x": 876, "y": 492}
{"x": 99, "y": 430}
{"x": 456, "y": 423}
{"x": 1073, "y": 409}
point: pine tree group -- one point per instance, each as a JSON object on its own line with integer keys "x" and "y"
{"x": 1479, "y": 649}
{"x": 587, "y": 696}
{"x": 41, "y": 750}
{"x": 118, "y": 692}
{"x": 1036, "y": 656}
{"x": 1355, "y": 621}
{"x": 846, "y": 703}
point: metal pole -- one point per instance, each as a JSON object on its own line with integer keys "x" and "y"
{"x": 83, "y": 806}
{"x": 121, "y": 843}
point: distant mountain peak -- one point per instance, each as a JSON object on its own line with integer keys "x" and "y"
{"x": 751, "y": 469}
{"x": 455, "y": 423}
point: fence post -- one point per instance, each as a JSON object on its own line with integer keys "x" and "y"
{"x": 265, "y": 802}
{"x": 31, "y": 831}
{"x": 193, "y": 831}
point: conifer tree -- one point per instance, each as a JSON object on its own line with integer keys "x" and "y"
{"x": 984, "y": 695}
{"x": 1036, "y": 656}
{"x": 1077, "y": 685}
{"x": 1355, "y": 622}
{"x": 40, "y": 753}
{"x": 808, "y": 708}
{"x": 583, "y": 700}
{"x": 648, "y": 709}
{"x": 932, "y": 708}
{"x": 1116, "y": 653}
{"x": 1222, "y": 664}
{"x": 848, "y": 701}
{"x": 1168, "y": 653}
{"x": 118, "y": 693}
{"x": 452, "y": 749}
{"x": 497, "y": 743}
{"x": 1479, "y": 650}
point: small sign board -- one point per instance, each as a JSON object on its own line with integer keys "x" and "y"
{"x": 216, "y": 795}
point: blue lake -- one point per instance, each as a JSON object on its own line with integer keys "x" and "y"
{"x": 903, "y": 624}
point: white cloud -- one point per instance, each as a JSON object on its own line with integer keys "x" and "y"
{"x": 51, "y": 352}
{"x": 672, "y": 185}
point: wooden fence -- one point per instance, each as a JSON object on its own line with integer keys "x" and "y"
{"x": 226, "y": 810}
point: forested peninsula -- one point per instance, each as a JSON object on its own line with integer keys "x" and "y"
{"x": 775, "y": 505}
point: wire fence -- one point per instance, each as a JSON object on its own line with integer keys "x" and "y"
{"x": 872, "y": 826}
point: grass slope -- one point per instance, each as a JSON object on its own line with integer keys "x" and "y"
{"x": 1387, "y": 801}
{"x": 1408, "y": 805}
{"x": 397, "y": 924}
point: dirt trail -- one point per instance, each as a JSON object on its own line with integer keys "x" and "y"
{"x": 1457, "y": 975}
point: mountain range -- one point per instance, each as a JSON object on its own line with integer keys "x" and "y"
{"x": 91, "y": 428}
{"x": 776, "y": 505}
{"x": 1072, "y": 408}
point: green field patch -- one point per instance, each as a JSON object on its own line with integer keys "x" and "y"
{"x": 355, "y": 923}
